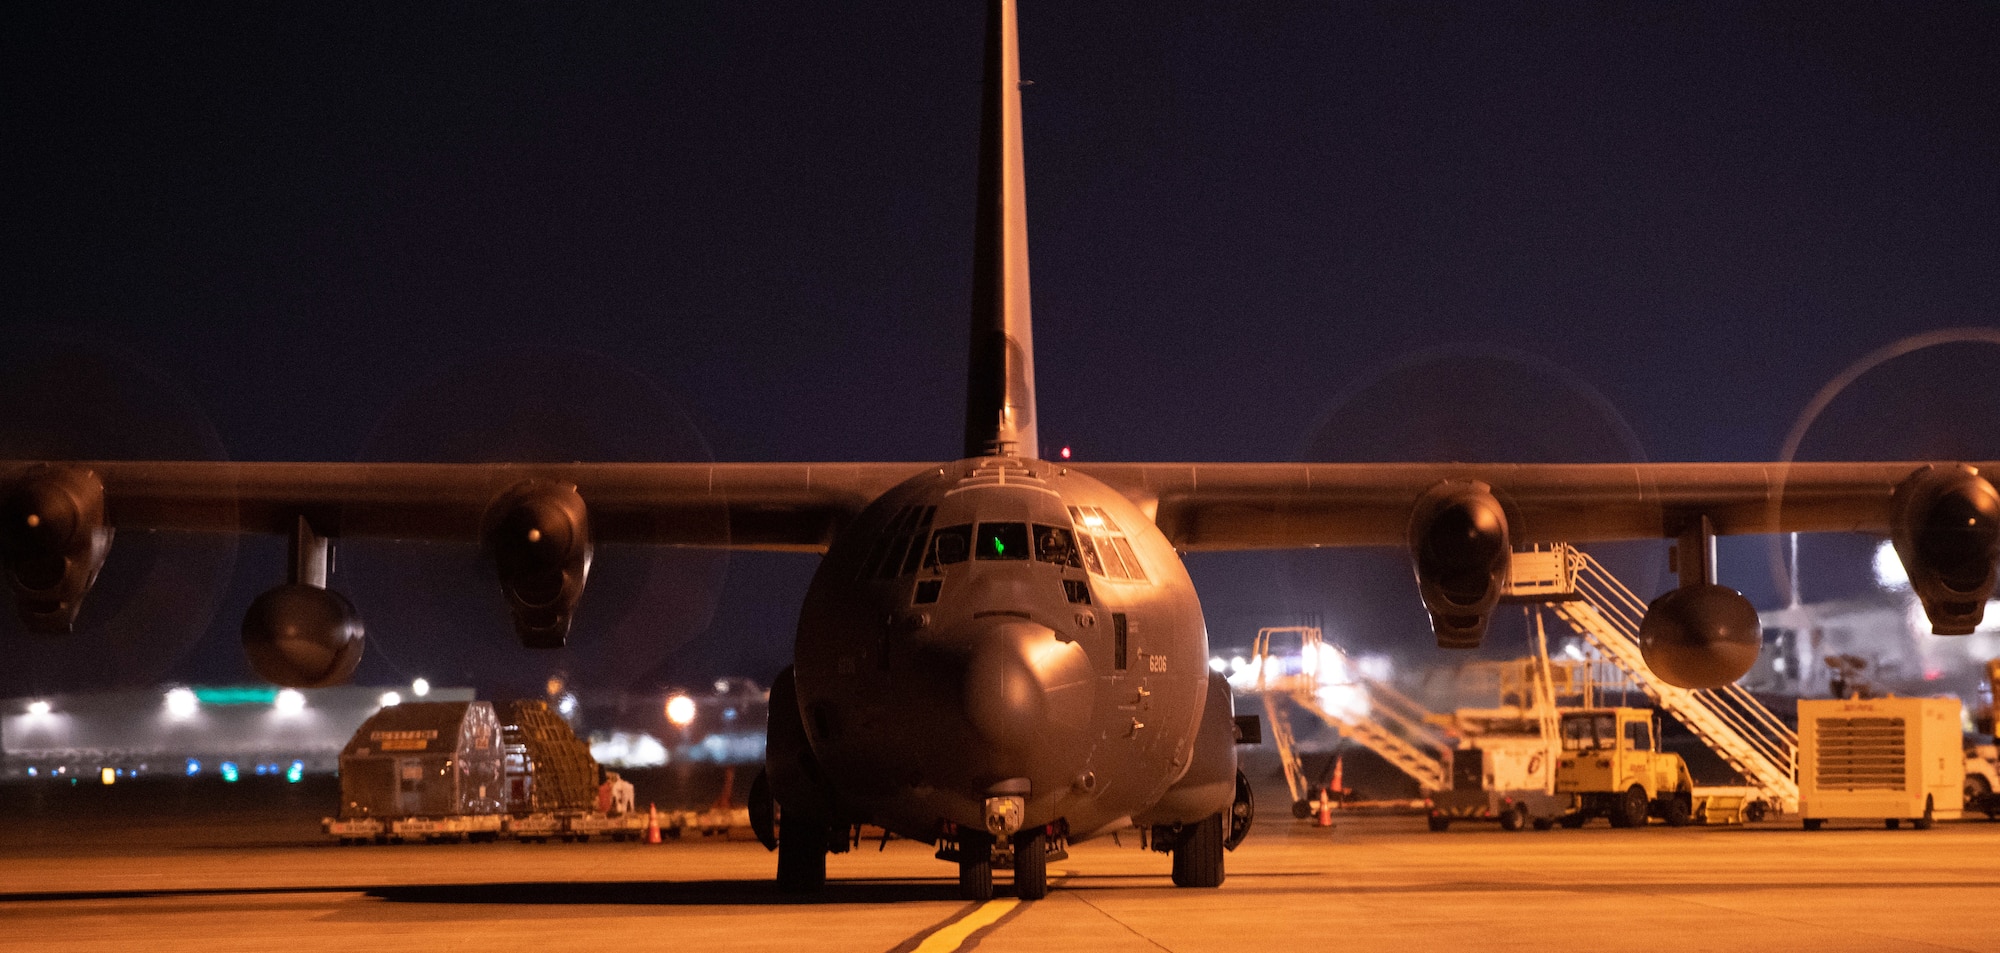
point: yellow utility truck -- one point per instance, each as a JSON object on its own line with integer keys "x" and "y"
{"x": 1893, "y": 759}
{"x": 1612, "y": 763}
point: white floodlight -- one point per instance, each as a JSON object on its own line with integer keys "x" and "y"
{"x": 290, "y": 701}
{"x": 680, "y": 711}
{"x": 1889, "y": 573}
{"x": 420, "y": 687}
{"x": 181, "y": 703}
{"x": 38, "y": 708}
{"x": 391, "y": 699}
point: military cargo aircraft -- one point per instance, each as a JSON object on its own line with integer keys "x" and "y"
{"x": 999, "y": 655}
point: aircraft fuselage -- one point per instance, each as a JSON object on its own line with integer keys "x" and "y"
{"x": 1001, "y": 626}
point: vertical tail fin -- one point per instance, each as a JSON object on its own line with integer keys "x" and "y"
{"x": 1000, "y": 391}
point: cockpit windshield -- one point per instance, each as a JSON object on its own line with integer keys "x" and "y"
{"x": 951, "y": 544}
{"x": 1054, "y": 544}
{"x": 1002, "y": 541}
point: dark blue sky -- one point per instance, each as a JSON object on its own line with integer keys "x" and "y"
{"x": 742, "y": 232}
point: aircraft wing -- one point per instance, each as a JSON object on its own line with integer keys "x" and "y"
{"x": 1210, "y": 507}
{"x": 768, "y": 506}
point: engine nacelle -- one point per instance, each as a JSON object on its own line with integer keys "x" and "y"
{"x": 1700, "y": 636}
{"x": 1459, "y": 545}
{"x": 1946, "y": 529}
{"x": 53, "y": 541}
{"x": 302, "y": 636}
{"x": 538, "y": 535}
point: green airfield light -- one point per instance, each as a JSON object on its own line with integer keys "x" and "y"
{"x": 295, "y": 772}
{"x": 229, "y": 771}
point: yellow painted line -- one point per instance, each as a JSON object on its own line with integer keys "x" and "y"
{"x": 948, "y": 937}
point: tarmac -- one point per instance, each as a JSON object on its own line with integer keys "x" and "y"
{"x": 250, "y": 880}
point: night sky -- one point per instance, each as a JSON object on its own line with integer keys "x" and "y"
{"x": 742, "y": 231}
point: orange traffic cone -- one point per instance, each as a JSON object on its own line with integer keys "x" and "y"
{"x": 1339, "y": 786}
{"x": 1325, "y": 816}
{"x": 652, "y": 824}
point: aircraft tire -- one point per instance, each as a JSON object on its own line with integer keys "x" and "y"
{"x": 1031, "y": 867}
{"x": 975, "y": 872}
{"x": 1198, "y": 857}
{"x": 801, "y": 856}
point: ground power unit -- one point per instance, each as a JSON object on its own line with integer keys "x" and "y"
{"x": 1887, "y": 759}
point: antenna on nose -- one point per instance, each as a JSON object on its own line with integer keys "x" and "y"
{"x": 1000, "y": 389}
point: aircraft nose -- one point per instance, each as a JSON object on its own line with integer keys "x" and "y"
{"x": 1020, "y": 684}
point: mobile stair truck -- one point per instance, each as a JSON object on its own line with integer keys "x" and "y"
{"x": 1893, "y": 759}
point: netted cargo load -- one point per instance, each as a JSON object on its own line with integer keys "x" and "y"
{"x": 565, "y": 775}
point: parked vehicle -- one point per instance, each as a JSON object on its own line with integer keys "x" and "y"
{"x": 1612, "y": 764}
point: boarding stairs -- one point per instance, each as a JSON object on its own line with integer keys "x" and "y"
{"x": 1729, "y": 720}
{"x": 1367, "y": 711}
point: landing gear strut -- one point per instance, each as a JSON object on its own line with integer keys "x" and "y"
{"x": 801, "y": 855}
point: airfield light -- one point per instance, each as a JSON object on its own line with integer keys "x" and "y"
{"x": 420, "y": 687}
{"x": 680, "y": 711}
{"x": 721, "y": 685}
{"x": 1889, "y": 572}
{"x": 193, "y": 767}
{"x": 1065, "y": 453}
{"x": 1217, "y": 665}
{"x": 295, "y": 772}
{"x": 32, "y": 772}
{"x": 107, "y": 775}
{"x": 181, "y": 703}
{"x": 567, "y": 706}
{"x": 391, "y": 699}
{"x": 290, "y": 701}
{"x": 229, "y": 771}
{"x": 38, "y": 708}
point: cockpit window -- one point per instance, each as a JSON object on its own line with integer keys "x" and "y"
{"x": 1103, "y": 545}
{"x": 1090, "y": 559}
{"x": 916, "y": 551}
{"x": 896, "y": 552}
{"x": 1003, "y": 541}
{"x": 1053, "y": 544}
{"x": 949, "y": 545}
